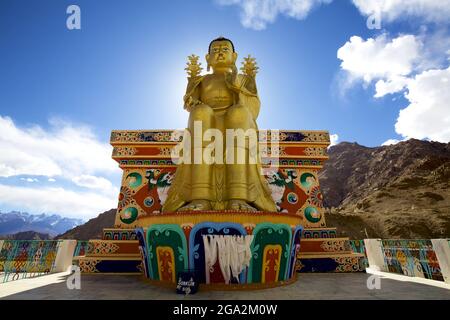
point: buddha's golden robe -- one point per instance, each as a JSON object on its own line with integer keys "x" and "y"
{"x": 231, "y": 104}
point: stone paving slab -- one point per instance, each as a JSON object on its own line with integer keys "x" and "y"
{"x": 322, "y": 286}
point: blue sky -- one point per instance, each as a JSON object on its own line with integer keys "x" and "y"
{"x": 125, "y": 70}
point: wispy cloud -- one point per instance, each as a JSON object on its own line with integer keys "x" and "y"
{"x": 71, "y": 153}
{"x": 390, "y": 10}
{"x": 63, "y": 150}
{"x": 256, "y": 14}
{"x": 56, "y": 200}
{"x": 29, "y": 179}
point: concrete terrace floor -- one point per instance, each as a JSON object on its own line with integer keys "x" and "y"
{"x": 323, "y": 286}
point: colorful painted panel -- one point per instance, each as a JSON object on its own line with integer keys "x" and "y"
{"x": 324, "y": 245}
{"x": 295, "y": 249}
{"x": 166, "y": 235}
{"x": 271, "y": 260}
{"x": 119, "y": 234}
{"x": 169, "y": 136}
{"x": 143, "y": 191}
{"x": 286, "y": 192}
{"x": 81, "y": 248}
{"x": 319, "y": 233}
{"x": 331, "y": 264}
{"x": 140, "y": 235}
{"x": 130, "y": 136}
{"x": 197, "y": 254}
{"x": 27, "y": 258}
{"x": 357, "y": 246}
{"x": 93, "y": 265}
{"x": 415, "y": 258}
{"x": 269, "y": 234}
{"x": 112, "y": 248}
{"x": 297, "y": 191}
{"x": 166, "y": 263}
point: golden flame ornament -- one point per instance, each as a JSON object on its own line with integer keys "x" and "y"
{"x": 193, "y": 66}
{"x": 249, "y": 67}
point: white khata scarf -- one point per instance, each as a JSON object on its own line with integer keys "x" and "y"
{"x": 233, "y": 252}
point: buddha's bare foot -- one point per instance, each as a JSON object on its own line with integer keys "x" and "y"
{"x": 240, "y": 205}
{"x": 196, "y": 205}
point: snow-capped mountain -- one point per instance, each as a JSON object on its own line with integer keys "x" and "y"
{"x": 15, "y": 221}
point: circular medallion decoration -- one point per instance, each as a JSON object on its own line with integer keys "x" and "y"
{"x": 134, "y": 180}
{"x": 129, "y": 215}
{"x": 307, "y": 179}
{"x": 148, "y": 202}
{"x": 312, "y": 214}
{"x": 124, "y": 197}
{"x": 292, "y": 198}
{"x": 315, "y": 197}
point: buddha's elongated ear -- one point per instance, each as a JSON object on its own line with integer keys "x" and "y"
{"x": 208, "y": 66}
{"x": 235, "y": 55}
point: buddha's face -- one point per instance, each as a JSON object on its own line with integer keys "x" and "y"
{"x": 221, "y": 55}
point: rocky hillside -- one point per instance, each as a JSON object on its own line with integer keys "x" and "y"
{"x": 91, "y": 229}
{"x": 26, "y": 235}
{"x": 397, "y": 191}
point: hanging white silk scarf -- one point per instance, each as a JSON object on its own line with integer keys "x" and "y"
{"x": 233, "y": 252}
{"x": 210, "y": 244}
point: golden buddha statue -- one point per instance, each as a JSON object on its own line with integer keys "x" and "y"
{"x": 224, "y": 99}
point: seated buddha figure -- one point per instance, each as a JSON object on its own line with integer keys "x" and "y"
{"x": 221, "y": 100}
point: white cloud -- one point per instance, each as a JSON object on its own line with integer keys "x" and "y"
{"x": 92, "y": 182}
{"x": 396, "y": 65}
{"x": 390, "y": 142}
{"x": 390, "y": 10}
{"x": 256, "y": 14}
{"x": 392, "y": 85}
{"x": 334, "y": 138}
{"x": 29, "y": 179}
{"x": 55, "y": 200}
{"x": 428, "y": 114}
{"x": 64, "y": 150}
{"x": 99, "y": 183}
{"x": 380, "y": 58}
{"x": 71, "y": 152}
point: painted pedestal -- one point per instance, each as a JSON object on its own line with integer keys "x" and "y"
{"x": 173, "y": 242}
{"x": 293, "y": 159}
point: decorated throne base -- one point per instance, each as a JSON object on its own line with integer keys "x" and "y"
{"x": 172, "y": 242}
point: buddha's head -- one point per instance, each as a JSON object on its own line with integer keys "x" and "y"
{"x": 221, "y": 54}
